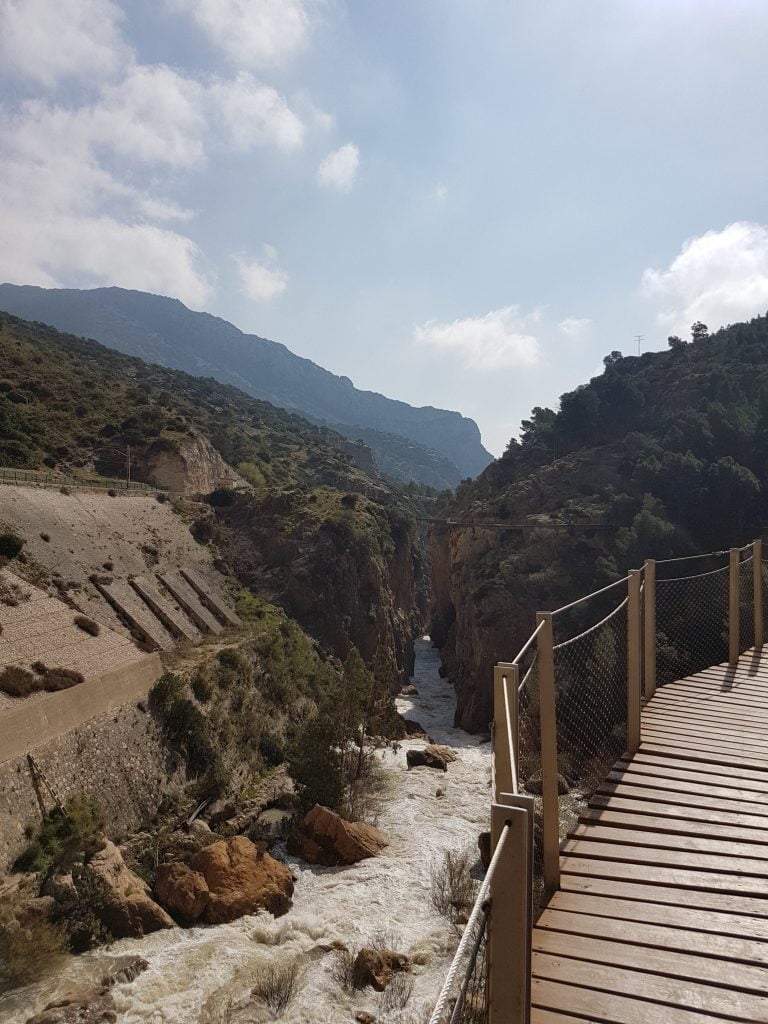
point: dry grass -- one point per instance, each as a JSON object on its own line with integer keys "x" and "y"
{"x": 397, "y": 994}
{"x": 452, "y": 888}
{"x": 276, "y": 984}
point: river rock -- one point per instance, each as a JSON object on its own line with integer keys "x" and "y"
{"x": 415, "y": 729}
{"x": 87, "y": 1006}
{"x": 181, "y": 890}
{"x": 242, "y": 879}
{"x": 432, "y": 756}
{"x": 129, "y": 972}
{"x": 375, "y": 967}
{"x": 119, "y": 898}
{"x": 323, "y": 837}
{"x": 365, "y": 1018}
{"x": 409, "y": 691}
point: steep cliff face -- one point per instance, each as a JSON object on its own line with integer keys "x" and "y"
{"x": 344, "y": 566}
{"x": 187, "y": 465}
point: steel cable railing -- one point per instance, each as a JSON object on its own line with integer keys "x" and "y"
{"x": 465, "y": 960}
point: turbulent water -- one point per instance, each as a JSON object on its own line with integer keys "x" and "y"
{"x": 205, "y": 975}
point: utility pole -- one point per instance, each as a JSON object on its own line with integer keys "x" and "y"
{"x": 639, "y": 338}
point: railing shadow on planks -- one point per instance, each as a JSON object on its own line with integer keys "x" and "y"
{"x": 565, "y": 709}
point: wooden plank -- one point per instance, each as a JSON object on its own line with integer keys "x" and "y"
{"x": 673, "y": 797}
{"x": 673, "y": 749}
{"x": 666, "y": 840}
{"x": 707, "y": 724}
{"x": 666, "y": 962}
{"x": 629, "y": 777}
{"x": 669, "y": 992}
{"x": 583, "y": 878}
{"x": 551, "y": 1017}
{"x": 701, "y": 702}
{"x": 670, "y": 770}
{"x": 752, "y": 838}
{"x": 686, "y": 920}
{"x": 664, "y": 875}
{"x": 691, "y": 752}
{"x": 682, "y": 812}
{"x": 699, "y": 862}
{"x": 608, "y": 1008}
{"x": 641, "y": 757}
{"x": 702, "y": 945}
{"x": 686, "y": 735}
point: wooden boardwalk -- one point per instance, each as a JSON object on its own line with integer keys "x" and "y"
{"x": 662, "y": 912}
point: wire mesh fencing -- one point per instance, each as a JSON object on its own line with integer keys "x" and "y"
{"x": 471, "y": 1004}
{"x": 590, "y": 709}
{"x": 529, "y": 766}
{"x": 691, "y": 621}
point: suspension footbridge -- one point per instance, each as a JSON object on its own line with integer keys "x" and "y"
{"x": 629, "y": 880}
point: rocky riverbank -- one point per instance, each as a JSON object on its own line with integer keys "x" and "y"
{"x": 205, "y": 975}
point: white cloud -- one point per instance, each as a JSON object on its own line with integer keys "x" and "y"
{"x": 46, "y": 40}
{"x": 338, "y": 169}
{"x": 719, "y": 277}
{"x": 253, "y": 33}
{"x": 575, "y": 326}
{"x": 261, "y": 280}
{"x": 256, "y": 114}
{"x": 498, "y": 339}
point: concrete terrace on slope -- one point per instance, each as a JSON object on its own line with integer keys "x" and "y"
{"x": 662, "y": 912}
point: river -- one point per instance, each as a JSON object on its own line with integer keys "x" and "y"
{"x": 195, "y": 975}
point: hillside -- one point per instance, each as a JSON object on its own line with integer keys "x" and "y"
{"x": 665, "y": 453}
{"x": 162, "y": 330}
{"x": 312, "y": 520}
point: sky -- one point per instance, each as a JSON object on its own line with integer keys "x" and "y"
{"x": 459, "y": 203}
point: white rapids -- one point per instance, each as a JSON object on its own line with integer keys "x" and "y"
{"x": 205, "y": 975}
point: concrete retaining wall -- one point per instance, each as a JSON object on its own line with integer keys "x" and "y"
{"x": 35, "y": 722}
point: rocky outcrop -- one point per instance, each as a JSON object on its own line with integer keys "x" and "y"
{"x": 325, "y": 838}
{"x": 375, "y": 967}
{"x": 181, "y": 890}
{"x": 86, "y": 1006}
{"x": 119, "y": 898}
{"x": 241, "y": 879}
{"x": 432, "y": 756}
{"x": 189, "y": 466}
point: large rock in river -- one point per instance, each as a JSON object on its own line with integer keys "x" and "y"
{"x": 242, "y": 879}
{"x": 375, "y": 967}
{"x": 181, "y": 890}
{"x": 89, "y": 1006}
{"x": 432, "y": 756}
{"x": 325, "y": 838}
{"x": 119, "y": 898}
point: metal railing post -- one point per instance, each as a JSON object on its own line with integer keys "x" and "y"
{"x": 757, "y": 582}
{"x": 634, "y": 629}
{"x": 733, "y": 607}
{"x": 505, "y": 683}
{"x": 649, "y": 628}
{"x": 511, "y": 920}
{"x": 548, "y": 724}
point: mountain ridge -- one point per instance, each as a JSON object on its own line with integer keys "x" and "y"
{"x": 163, "y": 330}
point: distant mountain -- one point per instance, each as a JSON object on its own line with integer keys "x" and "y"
{"x": 163, "y": 330}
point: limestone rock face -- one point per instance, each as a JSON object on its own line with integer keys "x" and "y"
{"x": 242, "y": 879}
{"x": 122, "y": 900}
{"x": 325, "y": 838}
{"x": 432, "y": 756}
{"x": 181, "y": 890}
{"x": 375, "y": 967}
{"x": 91, "y": 1006}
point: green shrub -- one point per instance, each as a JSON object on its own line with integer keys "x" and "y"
{"x": 166, "y": 690}
{"x": 62, "y": 836}
{"x": 271, "y": 748}
{"x": 229, "y": 658}
{"x": 202, "y": 688}
{"x": 10, "y": 545}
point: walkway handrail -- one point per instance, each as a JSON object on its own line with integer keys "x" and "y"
{"x": 661, "y": 626}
